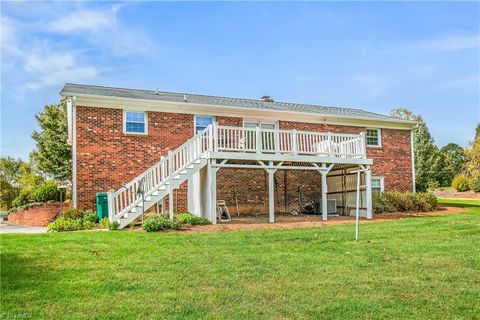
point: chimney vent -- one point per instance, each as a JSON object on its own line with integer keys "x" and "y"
{"x": 267, "y": 99}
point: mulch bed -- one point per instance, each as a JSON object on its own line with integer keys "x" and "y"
{"x": 284, "y": 221}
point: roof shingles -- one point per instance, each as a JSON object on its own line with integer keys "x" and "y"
{"x": 81, "y": 89}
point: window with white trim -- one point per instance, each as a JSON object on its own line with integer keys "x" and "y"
{"x": 201, "y": 122}
{"x": 374, "y": 137}
{"x": 377, "y": 184}
{"x": 135, "y": 122}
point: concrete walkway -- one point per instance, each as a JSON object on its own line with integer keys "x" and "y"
{"x": 6, "y": 227}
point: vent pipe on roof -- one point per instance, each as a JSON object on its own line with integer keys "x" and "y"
{"x": 267, "y": 99}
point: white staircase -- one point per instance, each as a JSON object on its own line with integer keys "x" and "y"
{"x": 126, "y": 204}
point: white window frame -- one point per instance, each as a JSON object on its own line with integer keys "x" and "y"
{"x": 125, "y": 122}
{"x": 379, "y": 145}
{"x": 195, "y": 121}
{"x": 259, "y": 122}
{"x": 382, "y": 182}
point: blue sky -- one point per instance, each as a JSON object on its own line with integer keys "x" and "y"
{"x": 375, "y": 56}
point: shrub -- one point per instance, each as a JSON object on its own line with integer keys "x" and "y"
{"x": 460, "y": 183}
{"x": 113, "y": 225}
{"x": 156, "y": 223}
{"x": 24, "y": 197}
{"x": 90, "y": 217}
{"x": 475, "y": 183}
{"x": 47, "y": 192}
{"x": 73, "y": 214}
{"x": 188, "y": 218}
{"x": 393, "y": 201}
{"x": 60, "y": 225}
{"x": 104, "y": 223}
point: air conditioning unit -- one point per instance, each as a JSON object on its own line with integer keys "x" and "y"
{"x": 331, "y": 206}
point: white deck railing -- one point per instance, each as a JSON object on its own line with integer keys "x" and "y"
{"x": 259, "y": 140}
{"x": 234, "y": 139}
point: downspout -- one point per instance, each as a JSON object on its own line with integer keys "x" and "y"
{"x": 413, "y": 160}
{"x": 74, "y": 151}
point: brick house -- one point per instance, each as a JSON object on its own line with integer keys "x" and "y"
{"x": 185, "y": 151}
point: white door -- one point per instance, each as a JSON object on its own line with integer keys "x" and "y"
{"x": 268, "y": 137}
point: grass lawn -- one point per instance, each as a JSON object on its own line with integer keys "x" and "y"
{"x": 415, "y": 268}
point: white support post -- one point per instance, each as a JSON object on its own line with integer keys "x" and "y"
{"x": 330, "y": 149}
{"x": 212, "y": 191}
{"x": 258, "y": 141}
{"x": 294, "y": 142}
{"x": 363, "y": 144}
{"x": 110, "y": 203}
{"x": 215, "y": 137}
{"x": 170, "y": 202}
{"x": 324, "y": 194}
{"x": 368, "y": 191}
{"x": 271, "y": 193}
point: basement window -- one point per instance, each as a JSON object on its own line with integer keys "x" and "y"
{"x": 377, "y": 184}
{"x": 135, "y": 122}
{"x": 374, "y": 137}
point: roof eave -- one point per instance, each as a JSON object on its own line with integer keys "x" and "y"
{"x": 410, "y": 123}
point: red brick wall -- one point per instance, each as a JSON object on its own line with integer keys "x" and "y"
{"x": 108, "y": 158}
{"x": 36, "y": 216}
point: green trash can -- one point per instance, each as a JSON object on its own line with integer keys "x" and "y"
{"x": 102, "y": 205}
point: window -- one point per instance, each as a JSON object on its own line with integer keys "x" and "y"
{"x": 135, "y": 122}
{"x": 377, "y": 184}
{"x": 374, "y": 137}
{"x": 201, "y": 122}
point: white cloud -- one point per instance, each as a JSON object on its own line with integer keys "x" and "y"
{"x": 446, "y": 43}
{"x": 43, "y": 63}
{"x": 66, "y": 44}
{"x": 103, "y": 29}
{"x": 54, "y": 68}
{"x": 85, "y": 20}
{"x": 451, "y": 43}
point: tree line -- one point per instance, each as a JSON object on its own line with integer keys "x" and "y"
{"x": 437, "y": 167}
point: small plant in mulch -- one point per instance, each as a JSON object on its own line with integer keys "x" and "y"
{"x": 157, "y": 223}
{"x": 190, "y": 219}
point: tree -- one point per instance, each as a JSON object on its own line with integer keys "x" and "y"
{"x": 10, "y": 170}
{"x": 455, "y": 160}
{"x": 52, "y": 154}
{"x": 428, "y": 159}
{"x": 16, "y": 175}
{"x": 29, "y": 178}
{"x": 9, "y": 176}
{"x": 473, "y": 153}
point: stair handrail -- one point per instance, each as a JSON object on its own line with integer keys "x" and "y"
{"x": 125, "y": 198}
